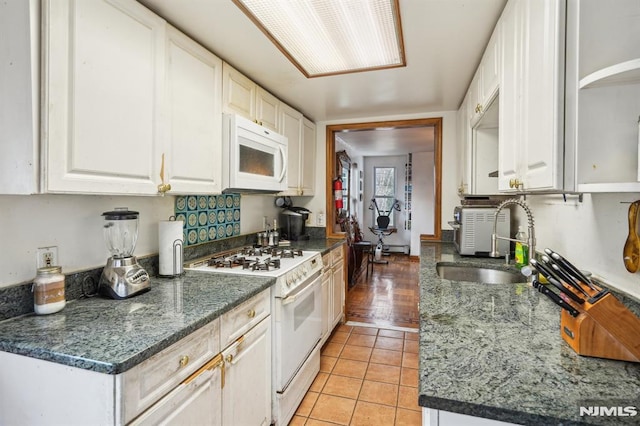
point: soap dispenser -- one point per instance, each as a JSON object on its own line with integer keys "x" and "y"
{"x": 522, "y": 250}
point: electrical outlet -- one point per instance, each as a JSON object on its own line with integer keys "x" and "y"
{"x": 47, "y": 256}
{"x": 320, "y": 219}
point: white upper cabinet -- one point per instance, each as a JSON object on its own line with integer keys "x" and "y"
{"x": 104, "y": 64}
{"x": 242, "y": 96}
{"x": 462, "y": 147}
{"x": 604, "y": 53}
{"x": 531, "y": 117}
{"x": 19, "y": 97}
{"x": 484, "y": 87}
{"x": 301, "y": 147}
{"x": 193, "y": 161}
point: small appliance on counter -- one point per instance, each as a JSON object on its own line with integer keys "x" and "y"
{"x": 122, "y": 277}
{"x": 473, "y": 226}
{"x": 292, "y": 222}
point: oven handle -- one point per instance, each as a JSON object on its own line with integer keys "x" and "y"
{"x": 284, "y": 164}
{"x": 304, "y": 289}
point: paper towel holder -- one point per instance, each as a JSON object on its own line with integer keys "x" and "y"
{"x": 173, "y": 260}
{"x": 177, "y": 257}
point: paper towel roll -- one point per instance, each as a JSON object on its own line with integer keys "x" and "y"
{"x": 170, "y": 245}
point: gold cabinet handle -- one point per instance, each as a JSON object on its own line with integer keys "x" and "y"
{"x": 516, "y": 183}
{"x": 229, "y": 358}
{"x": 478, "y": 108}
{"x": 163, "y": 187}
{"x": 251, "y": 313}
{"x": 184, "y": 360}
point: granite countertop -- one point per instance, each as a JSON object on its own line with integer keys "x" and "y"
{"x": 495, "y": 351}
{"x": 112, "y": 336}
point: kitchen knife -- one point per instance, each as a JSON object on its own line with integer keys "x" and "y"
{"x": 543, "y": 269}
{"x": 555, "y": 298}
{"x": 569, "y": 267}
{"x": 563, "y": 275}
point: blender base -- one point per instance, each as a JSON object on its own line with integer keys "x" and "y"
{"x": 123, "y": 278}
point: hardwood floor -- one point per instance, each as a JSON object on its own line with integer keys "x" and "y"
{"x": 389, "y": 297}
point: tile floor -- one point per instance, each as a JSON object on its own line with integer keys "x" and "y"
{"x": 368, "y": 376}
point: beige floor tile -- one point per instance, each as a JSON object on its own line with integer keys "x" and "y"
{"x": 315, "y": 422}
{"x": 297, "y": 421}
{"x": 361, "y": 340}
{"x": 339, "y": 337}
{"x": 350, "y": 368}
{"x": 410, "y": 360}
{"x": 371, "y": 331}
{"x": 389, "y": 343}
{"x": 409, "y": 377}
{"x": 348, "y": 387}
{"x": 357, "y": 353}
{"x": 411, "y": 346}
{"x": 332, "y": 349}
{"x": 379, "y": 393}
{"x": 333, "y": 409}
{"x": 368, "y": 414}
{"x": 327, "y": 363}
{"x": 411, "y": 336}
{"x": 307, "y": 404}
{"x": 396, "y": 334}
{"x": 387, "y": 357}
{"x": 408, "y": 417}
{"x": 383, "y": 373}
{"x": 344, "y": 328}
{"x": 318, "y": 382}
{"x": 408, "y": 398}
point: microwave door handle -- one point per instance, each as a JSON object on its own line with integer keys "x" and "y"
{"x": 284, "y": 164}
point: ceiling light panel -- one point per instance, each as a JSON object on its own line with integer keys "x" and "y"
{"x": 324, "y": 37}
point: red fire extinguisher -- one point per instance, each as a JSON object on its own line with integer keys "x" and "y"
{"x": 337, "y": 193}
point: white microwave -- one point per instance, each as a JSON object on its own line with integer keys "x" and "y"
{"x": 255, "y": 158}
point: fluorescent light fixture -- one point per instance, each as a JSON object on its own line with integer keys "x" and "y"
{"x": 327, "y": 37}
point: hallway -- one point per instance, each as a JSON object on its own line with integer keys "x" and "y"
{"x": 389, "y": 297}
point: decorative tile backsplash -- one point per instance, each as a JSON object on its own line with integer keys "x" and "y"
{"x": 208, "y": 217}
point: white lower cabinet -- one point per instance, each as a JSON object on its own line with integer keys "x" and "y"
{"x": 333, "y": 291}
{"x": 246, "y": 389}
{"x": 190, "y": 382}
{"x": 431, "y": 417}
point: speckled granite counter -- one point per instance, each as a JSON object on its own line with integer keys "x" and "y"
{"x": 112, "y": 336}
{"x": 495, "y": 351}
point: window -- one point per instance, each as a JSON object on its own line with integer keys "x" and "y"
{"x": 384, "y": 192}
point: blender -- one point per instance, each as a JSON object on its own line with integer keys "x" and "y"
{"x": 122, "y": 277}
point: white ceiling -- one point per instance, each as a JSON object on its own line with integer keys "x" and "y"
{"x": 381, "y": 142}
{"x": 444, "y": 41}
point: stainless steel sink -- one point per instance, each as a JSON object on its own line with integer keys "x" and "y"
{"x": 478, "y": 274}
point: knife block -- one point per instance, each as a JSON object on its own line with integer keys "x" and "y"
{"x": 605, "y": 329}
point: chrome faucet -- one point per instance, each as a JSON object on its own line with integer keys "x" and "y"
{"x": 531, "y": 240}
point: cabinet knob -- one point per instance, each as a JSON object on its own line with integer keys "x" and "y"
{"x": 184, "y": 360}
{"x": 229, "y": 358}
{"x": 251, "y": 313}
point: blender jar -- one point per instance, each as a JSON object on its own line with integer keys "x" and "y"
{"x": 121, "y": 232}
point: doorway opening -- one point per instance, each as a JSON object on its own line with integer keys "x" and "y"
{"x": 335, "y": 166}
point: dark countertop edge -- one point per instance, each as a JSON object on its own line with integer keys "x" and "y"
{"x": 493, "y": 413}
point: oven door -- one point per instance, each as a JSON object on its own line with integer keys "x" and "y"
{"x": 298, "y": 327}
{"x": 258, "y": 156}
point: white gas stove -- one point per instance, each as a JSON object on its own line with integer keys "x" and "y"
{"x": 290, "y": 266}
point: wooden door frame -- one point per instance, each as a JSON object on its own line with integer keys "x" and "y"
{"x": 331, "y": 131}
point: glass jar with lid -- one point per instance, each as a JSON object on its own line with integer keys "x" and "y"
{"x": 48, "y": 290}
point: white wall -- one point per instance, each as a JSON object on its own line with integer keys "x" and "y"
{"x": 423, "y": 199}
{"x": 74, "y": 224}
{"x": 590, "y": 234}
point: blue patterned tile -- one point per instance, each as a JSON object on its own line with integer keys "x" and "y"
{"x": 203, "y": 202}
{"x": 236, "y": 201}
{"x": 213, "y": 217}
{"x": 220, "y": 216}
{"x": 192, "y": 220}
{"x": 192, "y": 237}
{"x": 192, "y": 202}
{"x": 236, "y": 215}
{"x": 212, "y": 202}
{"x": 221, "y": 231}
{"x": 220, "y": 204}
{"x": 236, "y": 229}
{"x": 203, "y": 234}
{"x": 229, "y": 230}
{"x": 203, "y": 218}
{"x": 228, "y": 216}
{"x": 183, "y": 218}
{"x": 181, "y": 204}
{"x": 229, "y": 201}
